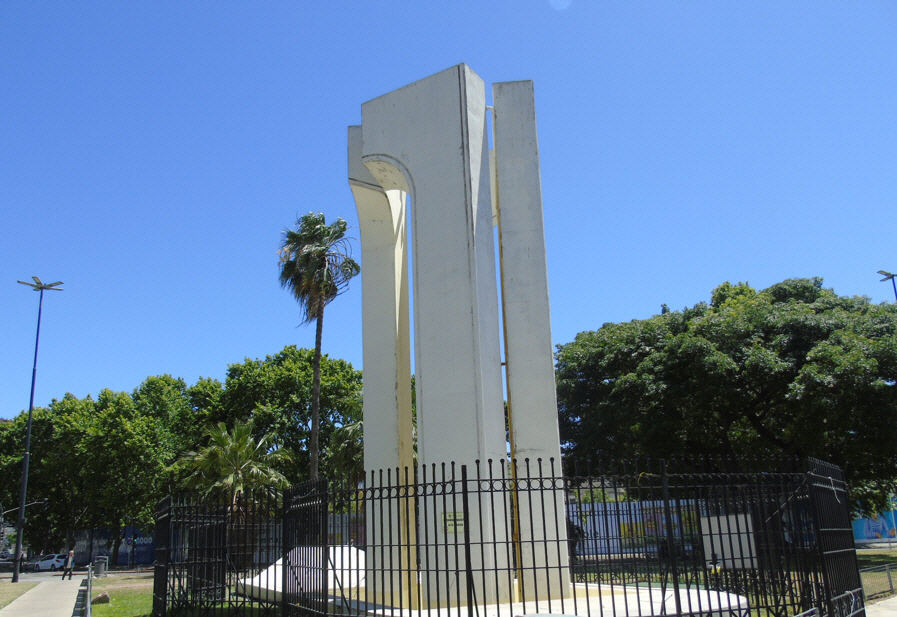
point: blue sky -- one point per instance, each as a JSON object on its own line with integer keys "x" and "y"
{"x": 153, "y": 152}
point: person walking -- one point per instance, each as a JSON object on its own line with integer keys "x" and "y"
{"x": 69, "y": 565}
{"x": 574, "y": 537}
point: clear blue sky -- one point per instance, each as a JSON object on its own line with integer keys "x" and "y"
{"x": 151, "y": 154}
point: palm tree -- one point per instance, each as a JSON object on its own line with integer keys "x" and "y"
{"x": 237, "y": 466}
{"x": 316, "y": 266}
{"x": 234, "y": 463}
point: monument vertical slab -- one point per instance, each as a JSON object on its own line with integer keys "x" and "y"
{"x": 429, "y": 139}
{"x": 532, "y": 400}
{"x": 424, "y": 148}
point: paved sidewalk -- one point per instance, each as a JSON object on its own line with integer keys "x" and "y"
{"x": 883, "y": 608}
{"x": 53, "y": 598}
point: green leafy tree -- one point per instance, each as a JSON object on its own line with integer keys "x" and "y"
{"x": 344, "y": 455}
{"x": 205, "y": 399}
{"x": 165, "y": 398}
{"x": 275, "y": 393}
{"x": 125, "y": 464}
{"x": 793, "y": 369}
{"x": 96, "y": 463}
{"x": 62, "y": 478}
{"x": 234, "y": 463}
{"x": 315, "y": 265}
{"x": 104, "y": 463}
{"x": 45, "y": 527}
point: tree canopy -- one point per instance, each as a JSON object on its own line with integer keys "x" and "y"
{"x": 793, "y": 369}
{"x": 104, "y": 462}
{"x": 276, "y": 394}
{"x": 96, "y": 463}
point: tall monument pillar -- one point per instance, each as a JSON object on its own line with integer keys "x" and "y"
{"x": 429, "y": 139}
{"x": 532, "y": 399}
{"x": 424, "y": 149}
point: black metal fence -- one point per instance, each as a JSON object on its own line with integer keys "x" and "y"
{"x": 218, "y": 557}
{"x": 498, "y": 539}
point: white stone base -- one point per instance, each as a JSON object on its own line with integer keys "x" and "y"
{"x": 592, "y": 601}
{"x": 345, "y": 571}
{"x": 345, "y": 580}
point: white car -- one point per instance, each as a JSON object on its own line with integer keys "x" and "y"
{"x": 53, "y": 561}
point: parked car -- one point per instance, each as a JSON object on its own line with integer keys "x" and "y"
{"x": 53, "y": 561}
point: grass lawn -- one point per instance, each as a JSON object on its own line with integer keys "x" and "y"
{"x": 877, "y": 584}
{"x": 129, "y": 595}
{"x": 867, "y": 558}
{"x": 9, "y": 592}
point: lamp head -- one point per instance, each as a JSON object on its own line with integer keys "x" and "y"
{"x": 39, "y": 285}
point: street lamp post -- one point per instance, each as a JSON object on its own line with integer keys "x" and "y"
{"x": 40, "y": 286}
{"x": 890, "y": 276}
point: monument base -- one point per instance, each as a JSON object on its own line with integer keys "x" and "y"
{"x": 346, "y": 588}
{"x": 584, "y": 601}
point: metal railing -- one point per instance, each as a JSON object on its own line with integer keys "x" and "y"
{"x": 88, "y": 600}
{"x": 503, "y": 539}
{"x": 848, "y": 604}
{"x": 208, "y": 553}
{"x": 879, "y": 580}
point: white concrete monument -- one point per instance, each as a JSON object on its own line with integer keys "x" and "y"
{"x": 424, "y": 148}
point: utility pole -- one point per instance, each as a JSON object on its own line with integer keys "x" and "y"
{"x": 40, "y": 286}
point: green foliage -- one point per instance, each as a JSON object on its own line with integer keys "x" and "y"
{"x": 276, "y": 394}
{"x": 593, "y": 495}
{"x": 344, "y": 456}
{"x": 165, "y": 399}
{"x": 106, "y": 462}
{"x": 50, "y": 525}
{"x": 793, "y": 369}
{"x": 96, "y": 463}
{"x": 234, "y": 462}
{"x": 315, "y": 263}
{"x": 205, "y": 398}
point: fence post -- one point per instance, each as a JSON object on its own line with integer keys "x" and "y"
{"x": 671, "y": 543}
{"x": 471, "y": 597}
{"x": 286, "y": 499}
{"x": 88, "y": 609}
{"x": 160, "y": 567}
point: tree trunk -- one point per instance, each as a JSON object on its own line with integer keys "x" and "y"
{"x": 316, "y": 395}
{"x": 116, "y": 545}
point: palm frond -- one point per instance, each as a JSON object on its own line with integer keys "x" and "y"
{"x": 234, "y": 462}
{"x": 316, "y": 264}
